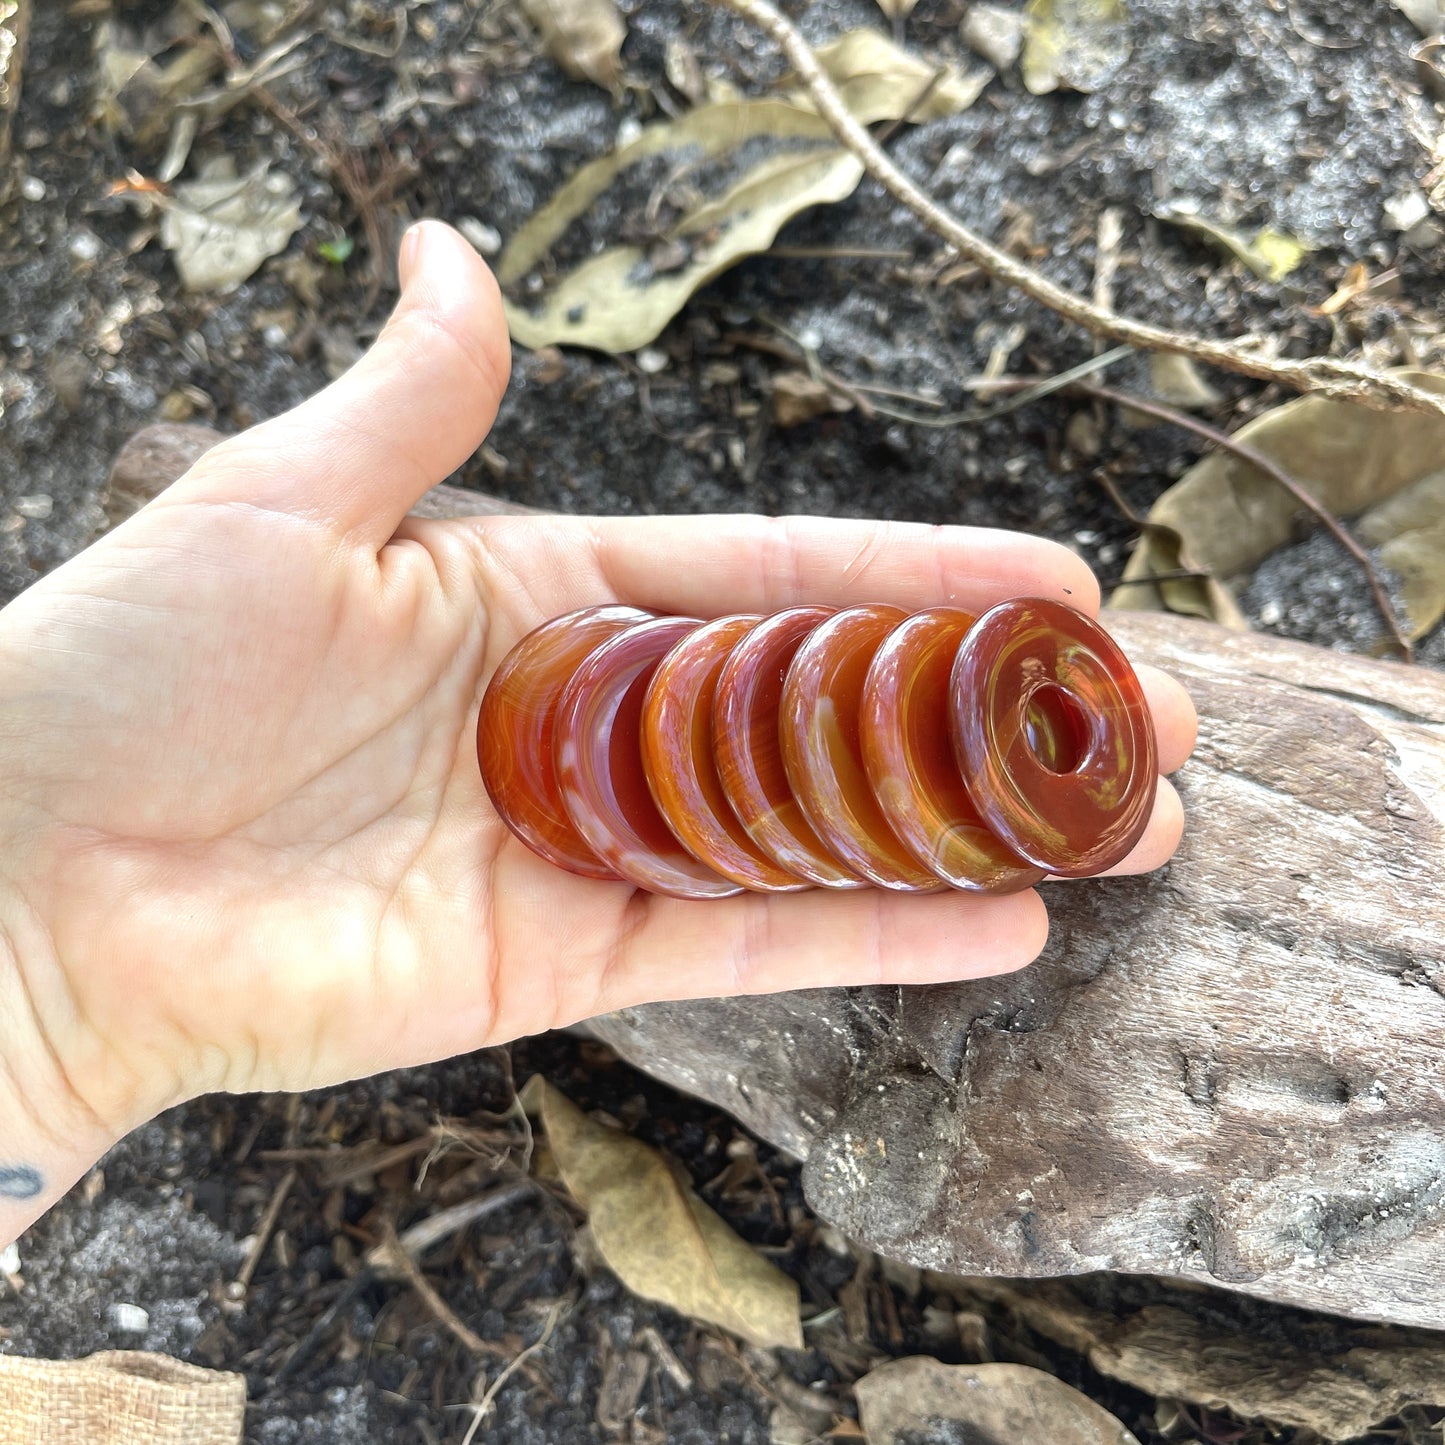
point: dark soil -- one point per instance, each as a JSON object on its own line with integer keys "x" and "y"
{"x": 1293, "y": 116}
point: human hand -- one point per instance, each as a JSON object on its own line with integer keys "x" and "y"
{"x": 244, "y": 843}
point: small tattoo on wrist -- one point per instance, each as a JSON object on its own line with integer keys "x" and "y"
{"x": 19, "y": 1181}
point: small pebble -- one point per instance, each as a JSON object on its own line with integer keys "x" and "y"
{"x": 995, "y": 33}
{"x": 32, "y": 188}
{"x": 1271, "y": 614}
{"x": 486, "y": 239}
{"x": 650, "y": 360}
{"x": 84, "y": 246}
{"x": 177, "y": 406}
{"x": 36, "y": 507}
{"x": 10, "y": 1259}
{"x": 1405, "y": 211}
{"x": 128, "y": 1319}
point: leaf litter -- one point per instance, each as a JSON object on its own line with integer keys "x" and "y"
{"x": 626, "y": 241}
{"x": 221, "y": 226}
{"x": 1224, "y": 516}
{"x": 1073, "y": 44}
{"x": 655, "y": 1234}
{"x": 1332, "y": 1377}
{"x": 1270, "y": 254}
{"x": 920, "y": 1398}
{"x": 584, "y": 37}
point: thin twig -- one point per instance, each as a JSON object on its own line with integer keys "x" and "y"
{"x": 322, "y": 1324}
{"x": 485, "y": 1403}
{"x": 1075, "y": 379}
{"x": 263, "y": 1233}
{"x": 1029, "y": 389}
{"x": 887, "y": 133}
{"x": 839, "y": 253}
{"x": 1276, "y": 473}
{"x": 1121, "y": 502}
{"x": 1060, "y": 381}
{"x": 407, "y": 1268}
{"x": 1329, "y": 376}
{"x": 430, "y": 1231}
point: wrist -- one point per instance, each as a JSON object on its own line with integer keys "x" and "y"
{"x": 51, "y": 1130}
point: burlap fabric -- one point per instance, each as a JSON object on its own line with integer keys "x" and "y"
{"x": 119, "y": 1397}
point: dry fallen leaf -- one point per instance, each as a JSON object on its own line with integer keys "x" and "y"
{"x": 1226, "y": 516}
{"x": 1355, "y": 283}
{"x": 1428, "y": 16}
{"x": 142, "y": 77}
{"x": 1268, "y": 253}
{"x": 1409, "y": 530}
{"x": 656, "y": 1235}
{"x": 1336, "y": 1380}
{"x": 897, "y": 10}
{"x": 584, "y": 37}
{"x": 683, "y": 72}
{"x": 1176, "y": 379}
{"x": 879, "y": 80}
{"x": 220, "y": 227}
{"x": 1073, "y": 44}
{"x": 730, "y": 174}
{"x": 798, "y": 397}
{"x": 910, "y": 1401}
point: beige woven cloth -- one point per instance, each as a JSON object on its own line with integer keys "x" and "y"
{"x": 120, "y": 1397}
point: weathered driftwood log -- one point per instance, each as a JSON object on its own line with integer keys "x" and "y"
{"x": 1229, "y": 1071}
{"x": 158, "y": 455}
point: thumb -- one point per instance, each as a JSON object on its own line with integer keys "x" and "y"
{"x": 360, "y": 453}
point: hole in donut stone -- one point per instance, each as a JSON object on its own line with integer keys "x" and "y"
{"x": 1057, "y": 729}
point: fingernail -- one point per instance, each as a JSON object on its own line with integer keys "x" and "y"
{"x": 410, "y": 253}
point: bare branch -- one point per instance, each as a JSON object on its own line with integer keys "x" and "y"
{"x": 1329, "y": 376}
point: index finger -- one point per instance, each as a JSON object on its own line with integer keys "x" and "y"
{"x": 710, "y": 565}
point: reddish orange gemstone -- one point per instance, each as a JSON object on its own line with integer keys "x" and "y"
{"x": 823, "y": 749}
{"x": 597, "y": 747}
{"x": 909, "y": 758}
{"x": 514, "y": 733}
{"x": 1054, "y": 736}
{"x": 679, "y": 759}
{"x": 695, "y": 759}
{"x": 749, "y": 754}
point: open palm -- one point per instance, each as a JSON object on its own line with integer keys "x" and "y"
{"x": 246, "y": 842}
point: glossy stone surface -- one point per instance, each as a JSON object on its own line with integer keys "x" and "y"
{"x": 514, "y": 733}
{"x": 1053, "y": 736}
{"x": 597, "y": 751}
{"x": 823, "y": 750}
{"x": 909, "y": 760}
{"x": 749, "y": 753}
{"x": 822, "y": 747}
{"x": 680, "y": 763}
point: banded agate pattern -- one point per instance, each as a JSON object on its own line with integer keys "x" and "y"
{"x": 821, "y": 748}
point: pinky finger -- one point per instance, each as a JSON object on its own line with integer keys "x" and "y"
{"x": 1161, "y": 836}
{"x": 761, "y": 944}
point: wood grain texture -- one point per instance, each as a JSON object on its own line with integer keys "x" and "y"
{"x": 1228, "y": 1071}
{"x": 162, "y": 453}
